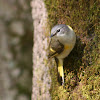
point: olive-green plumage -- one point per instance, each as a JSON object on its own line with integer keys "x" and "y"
{"x": 55, "y": 49}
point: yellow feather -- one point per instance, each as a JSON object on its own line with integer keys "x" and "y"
{"x": 52, "y": 50}
{"x": 54, "y": 53}
{"x": 60, "y": 69}
{"x": 69, "y": 27}
{"x": 67, "y": 47}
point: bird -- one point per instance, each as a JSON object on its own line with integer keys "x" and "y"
{"x": 62, "y": 41}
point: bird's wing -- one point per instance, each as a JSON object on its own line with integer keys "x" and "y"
{"x": 55, "y": 48}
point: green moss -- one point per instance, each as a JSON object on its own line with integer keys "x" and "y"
{"x": 82, "y": 66}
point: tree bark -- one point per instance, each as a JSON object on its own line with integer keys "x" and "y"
{"x": 41, "y": 78}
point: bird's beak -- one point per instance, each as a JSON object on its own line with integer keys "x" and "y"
{"x": 53, "y": 35}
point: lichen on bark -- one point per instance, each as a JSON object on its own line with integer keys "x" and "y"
{"x": 41, "y": 78}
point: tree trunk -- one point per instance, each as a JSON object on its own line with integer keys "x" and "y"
{"x": 41, "y": 78}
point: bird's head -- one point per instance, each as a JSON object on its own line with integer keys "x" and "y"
{"x": 63, "y": 32}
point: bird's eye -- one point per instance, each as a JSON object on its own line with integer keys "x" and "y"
{"x": 58, "y": 30}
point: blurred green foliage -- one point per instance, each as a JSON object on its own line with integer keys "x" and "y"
{"x": 22, "y": 52}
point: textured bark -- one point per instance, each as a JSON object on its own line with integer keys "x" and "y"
{"x": 41, "y": 78}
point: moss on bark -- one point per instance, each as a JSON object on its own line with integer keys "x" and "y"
{"x": 82, "y": 66}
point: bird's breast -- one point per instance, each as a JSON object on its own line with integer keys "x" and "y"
{"x": 66, "y": 51}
